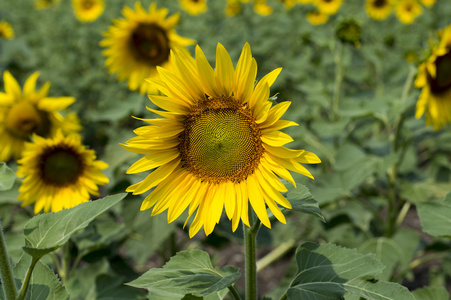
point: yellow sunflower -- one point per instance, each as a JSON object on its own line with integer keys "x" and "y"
{"x": 304, "y": 1}
{"x": 434, "y": 78}
{"x": 329, "y": 7}
{"x": 379, "y": 9}
{"x": 218, "y": 144}
{"x": 194, "y": 7}
{"x": 58, "y": 173}
{"x": 262, "y": 8}
{"x": 43, "y": 4}
{"x": 408, "y": 10}
{"x": 139, "y": 43}
{"x": 233, "y": 7}
{"x": 316, "y": 18}
{"x": 289, "y": 4}
{"x": 428, "y": 2}
{"x": 28, "y": 112}
{"x": 6, "y": 30}
{"x": 88, "y": 10}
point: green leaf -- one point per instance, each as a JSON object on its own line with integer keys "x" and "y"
{"x": 435, "y": 218}
{"x": 44, "y": 284}
{"x": 188, "y": 272}
{"x": 302, "y": 200}
{"x": 329, "y": 271}
{"x": 431, "y": 293}
{"x": 47, "y": 232}
{"x": 7, "y": 177}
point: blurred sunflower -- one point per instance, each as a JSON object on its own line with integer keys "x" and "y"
{"x": 6, "y": 30}
{"x": 88, "y": 10}
{"x": 304, "y": 1}
{"x": 434, "y": 78}
{"x": 262, "y": 8}
{"x": 408, "y": 10}
{"x": 233, "y": 7}
{"x": 329, "y": 7}
{"x": 289, "y": 4}
{"x": 43, "y": 4}
{"x": 428, "y": 2}
{"x": 194, "y": 7}
{"x": 316, "y": 18}
{"x": 58, "y": 173}
{"x": 379, "y": 9}
{"x": 139, "y": 43}
{"x": 28, "y": 112}
{"x": 218, "y": 143}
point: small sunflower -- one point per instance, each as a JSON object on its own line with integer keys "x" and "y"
{"x": 329, "y": 7}
{"x": 408, "y": 10}
{"x": 194, "y": 7}
{"x": 88, "y": 10}
{"x": 28, "y": 112}
{"x": 349, "y": 32}
{"x": 434, "y": 79}
{"x": 233, "y": 7}
{"x": 43, "y": 4}
{"x": 316, "y": 18}
{"x": 6, "y": 30}
{"x": 139, "y": 43}
{"x": 58, "y": 173}
{"x": 218, "y": 144}
{"x": 428, "y": 2}
{"x": 379, "y": 9}
{"x": 289, "y": 4}
{"x": 262, "y": 8}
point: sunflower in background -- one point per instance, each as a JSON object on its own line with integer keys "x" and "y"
{"x": 262, "y": 8}
{"x": 28, "y": 112}
{"x": 408, "y": 10}
{"x": 233, "y": 7}
{"x": 434, "y": 79}
{"x": 58, "y": 173}
{"x": 139, "y": 43}
{"x": 6, "y": 30}
{"x": 315, "y": 17}
{"x": 43, "y": 4}
{"x": 428, "y": 2}
{"x": 88, "y": 10}
{"x": 379, "y": 9}
{"x": 304, "y": 1}
{"x": 328, "y": 7}
{"x": 218, "y": 144}
{"x": 194, "y": 7}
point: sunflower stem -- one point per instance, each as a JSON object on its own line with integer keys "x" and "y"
{"x": 26, "y": 281}
{"x": 65, "y": 262}
{"x": 6, "y": 272}
{"x": 250, "y": 258}
{"x": 338, "y": 77}
{"x": 234, "y": 292}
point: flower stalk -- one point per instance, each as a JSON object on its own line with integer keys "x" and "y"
{"x": 6, "y": 273}
{"x": 250, "y": 258}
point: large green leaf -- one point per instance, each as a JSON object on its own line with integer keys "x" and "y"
{"x": 329, "y": 272}
{"x": 302, "y": 200}
{"x": 431, "y": 293}
{"x": 7, "y": 177}
{"x": 188, "y": 272}
{"x": 47, "y": 232}
{"x": 435, "y": 216}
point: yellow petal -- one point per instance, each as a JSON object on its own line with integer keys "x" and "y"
{"x": 156, "y": 177}
{"x": 152, "y": 161}
{"x": 11, "y": 85}
{"x": 206, "y": 74}
{"x": 224, "y": 70}
{"x": 276, "y": 138}
{"x": 308, "y": 158}
{"x": 256, "y": 200}
{"x": 55, "y": 103}
{"x": 30, "y": 84}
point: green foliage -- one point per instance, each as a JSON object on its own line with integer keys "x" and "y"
{"x": 7, "y": 177}
{"x": 435, "y": 217}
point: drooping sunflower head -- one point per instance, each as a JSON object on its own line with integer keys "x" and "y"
{"x": 233, "y": 7}
{"x": 349, "y": 31}
{"x": 379, "y": 9}
{"x": 218, "y": 145}
{"x": 139, "y": 43}
{"x": 408, "y": 10}
{"x": 88, "y": 10}
{"x": 194, "y": 7}
{"x": 315, "y": 17}
{"x": 30, "y": 112}
{"x": 6, "y": 30}
{"x": 434, "y": 78}
{"x": 58, "y": 173}
{"x": 328, "y": 7}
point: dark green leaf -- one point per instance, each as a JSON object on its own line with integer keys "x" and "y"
{"x": 302, "y": 200}
{"x": 435, "y": 216}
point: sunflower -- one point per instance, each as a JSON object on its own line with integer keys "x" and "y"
{"x": 58, "y": 173}
{"x": 233, "y": 7}
{"x": 139, "y": 43}
{"x": 194, "y": 7}
{"x": 316, "y": 18}
{"x": 6, "y": 30}
{"x": 408, "y": 10}
{"x": 434, "y": 78}
{"x": 218, "y": 143}
{"x": 379, "y": 9}
{"x": 43, "y": 4}
{"x": 88, "y": 10}
{"x": 28, "y": 112}
{"x": 304, "y": 1}
{"x": 329, "y": 7}
{"x": 262, "y": 8}
{"x": 428, "y": 2}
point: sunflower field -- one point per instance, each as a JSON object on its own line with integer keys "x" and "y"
{"x": 225, "y": 149}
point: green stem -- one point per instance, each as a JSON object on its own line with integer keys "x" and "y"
{"x": 234, "y": 292}
{"x": 284, "y": 296}
{"x": 6, "y": 273}
{"x": 26, "y": 282}
{"x": 338, "y": 76}
{"x": 418, "y": 262}
{"x": 250, "y": 267}
{"x": 65, "y": 262}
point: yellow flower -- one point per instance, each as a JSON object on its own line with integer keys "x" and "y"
{"x": 379, "y": 9}
{"x": 218, "y": 144}
{"x": 434, "y": 78}
{"x": 194, "y": 7}
{"x": 6, "y": 30}
{"x": 316, "y": 18}
{"x": 289, "y": 3}
{"x": 233, "y": 8}
{"x": 428, "y": 2}
{"x": 139, "y": 43}
{"x": 408, "y": 10}
{"x": 88, "y": 10}
{"x": 304, "y": 1}
{"x": 28, "y": 112}
{"x": 262, "y": 8}
{"x": 329, "y": 7}
{"x": 42, "y": 4}
{"x": 58, "y": 173}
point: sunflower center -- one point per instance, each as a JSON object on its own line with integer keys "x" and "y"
{"x": 87, "y": 4}
{"x": 150, "y": 43}
{"x": 221, "y": 141}
{"x": 60, "y": 166}
{"x": 442, "y": 82}
{"x": 380, "y": 3}
{"x": 24, "y": 119}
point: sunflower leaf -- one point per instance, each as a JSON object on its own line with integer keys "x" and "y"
{"x": 329, "y": 272}
{"x": 431, "y": 293}
{"x": 434, "y": 216}
{"x": 47, "y": 232}
{"x": 188, "y": 272}
{"x": 302, "y": 200}
{"x": 7, "y": 177}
